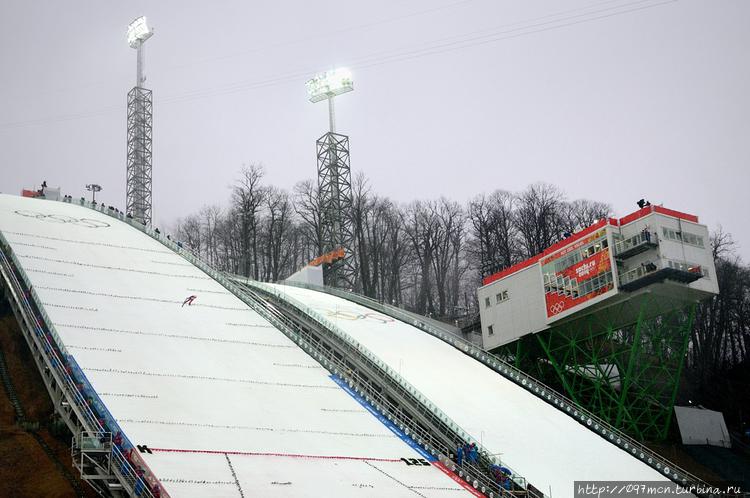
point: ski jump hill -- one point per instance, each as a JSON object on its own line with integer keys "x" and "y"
{"x": 218, "y": 398}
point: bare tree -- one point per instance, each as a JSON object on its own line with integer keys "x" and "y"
{"x": 447, "y": 237}
{"x": 211, "y": 217}
{"x": 538, "y": 217}
{"x": 721, "y": 333}
{"x": 307, "y": 207}
{"x": 582, "y": 213}
{"x": 494, "y": 231}
{"x": 248, "y": 195}
{"x": 362, "y": 226}
{"x": 277, "y": 225}
{"x": 420, "y": 224}
{"x": 189, "y": 233}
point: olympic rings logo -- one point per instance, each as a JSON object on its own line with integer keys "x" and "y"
{"x": 62, "y": 219}
{"x": 557, "y": 308}
{"x": 352, "y": 316}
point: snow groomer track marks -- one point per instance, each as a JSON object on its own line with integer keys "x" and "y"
{"x": 539, "y": 441}
{"x": 210, "y": 398}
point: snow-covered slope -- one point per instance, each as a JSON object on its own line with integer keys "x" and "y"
{"x": 226, "y": 403}
{"x": 547, "y": 447}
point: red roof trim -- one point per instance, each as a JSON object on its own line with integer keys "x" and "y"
{"x": 676, "y": 214}
{"x": 553, "y": 248}
{"x": 635, "y": 216}
{"x": 657, "y": 209}
{"x": 511, "y": 269}
{"x": 586, "y": 231}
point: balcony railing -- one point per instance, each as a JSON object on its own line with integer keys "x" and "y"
{"x": 636, "y": 244}
{"x": 662, "y": 269}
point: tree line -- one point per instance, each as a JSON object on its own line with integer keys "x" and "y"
{"x": 429, "y": 256}
{"x": 426, "y": 255}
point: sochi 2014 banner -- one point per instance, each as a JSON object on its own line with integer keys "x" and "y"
{"x": 557, "y": 300}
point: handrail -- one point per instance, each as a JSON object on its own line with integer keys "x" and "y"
{"x": 231, "y": 286}
{"x": 642, "y": 270}
{"x": 347, "y": 338}
{"x": 375, "y": 399}
{"x": 534, "y": 386}
{"x": 51, "y": 343}
{"x": 644, "y": 237}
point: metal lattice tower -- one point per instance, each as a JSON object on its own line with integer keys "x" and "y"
{"x": 140, "y": 116}
{"x": 335, "y": 194}
{"x": 139, "y": 154}
{"x": 335, "y": 180}
{"x": 623, "y": 364}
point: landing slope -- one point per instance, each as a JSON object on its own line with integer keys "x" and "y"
{"x": 227, "y": 403}
{"x": 547, "y": 447}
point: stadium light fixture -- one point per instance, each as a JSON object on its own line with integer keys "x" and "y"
{"x": 139, "y": 32}
{"x": 328, "y": 85}
{"x": 93, "y": 188}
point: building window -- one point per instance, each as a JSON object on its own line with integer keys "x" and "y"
{"x": 501, "y": 296}
{"x": 686, "y": 237}
{"x": 486, "y": 302}
{"x": 490, "y": 330}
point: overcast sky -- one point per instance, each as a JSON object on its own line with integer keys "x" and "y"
{"x": 610, "y": 100}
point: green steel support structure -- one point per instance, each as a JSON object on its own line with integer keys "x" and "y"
{"x": 622, "y": 363}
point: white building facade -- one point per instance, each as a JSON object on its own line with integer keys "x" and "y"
{"x": 654, "y": 251}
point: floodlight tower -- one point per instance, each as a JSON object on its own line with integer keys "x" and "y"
{"x": 335, "y": 178}
{"x": 140, "y": 114}
{"x": 93, "y": 188}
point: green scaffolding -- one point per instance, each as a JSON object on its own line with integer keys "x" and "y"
{"x": 622, "y": 363}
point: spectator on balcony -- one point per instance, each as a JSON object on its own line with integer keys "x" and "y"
{"x": 646, "y": 235}
{"x": 460, "y": 455}
{"x": 473, "y": 454}
{"x": 648, "y": 266}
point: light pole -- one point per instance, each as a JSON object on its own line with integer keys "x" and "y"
{"x": 138, "y": 33}
{"x": 328, "y": 85}
{"x": 334, "y": 178}
{"x": 140, "y": 113}
{"x": 93, "y": 188}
